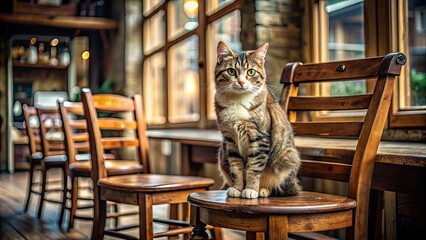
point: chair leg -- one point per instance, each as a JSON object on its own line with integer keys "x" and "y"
{"x": 74, "y": 201}
{"x": 30, "y": 186}
{"x": 217, "y": 233}
{"x": 199, "y": 230}
{"x": 277, "y": 228}
{"x": 99, "y": 220}
{"x": 99, "y": 214}
{"x": 42, "y": 192}
{"x": 145, "y": 216}
{"x": 64, "y": 196}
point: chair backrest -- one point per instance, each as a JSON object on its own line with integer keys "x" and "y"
{"x": 358, "y": 168}
{"x": 51, "y": 135}
{"x": 76, "y": 137}
{"x": 33, "y": 129}
{"x": 115, "y": 116}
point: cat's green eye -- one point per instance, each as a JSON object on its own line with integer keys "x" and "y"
{"x": 231, "y": 71}
{"x": 251, "y": 72}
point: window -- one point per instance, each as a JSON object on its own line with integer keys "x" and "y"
{"x": 179, "y": 46}
{"x": 341, "y": 37}
{"x": 412, "y": 15}
{"x": 347, "y": 29}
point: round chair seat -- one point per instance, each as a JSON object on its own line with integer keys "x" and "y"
{"x": 275, "y": 216}
{"x": 305, "y": 202}
{"x": 154, "y": 182}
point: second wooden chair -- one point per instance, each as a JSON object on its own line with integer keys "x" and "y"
{"x": 145, "y": 190}
{"x": 40, "y": 160}
{"x": 79, "y": 166}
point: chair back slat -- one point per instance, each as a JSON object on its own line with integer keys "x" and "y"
{"x": 78, "y": 124}
{"x": 329, "y": 103}
{"x": 338, "y": 70}
{"x": 325, "y": 170}
{"x": 80, "y": 137}
{"x": 117, "y": 143}
{"x": 114, "y": 122}
{"x": 313, "y": 115}
{"x": 327, "y": 128}
{"x": 51, "y": 135}
{"x": 115, "y": 103}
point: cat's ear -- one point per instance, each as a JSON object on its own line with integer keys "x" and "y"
{"x": 260, "y": 53}
{"x": 223, "y": 51}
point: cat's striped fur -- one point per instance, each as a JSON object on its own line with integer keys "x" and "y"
{"x": 258, "y": 156}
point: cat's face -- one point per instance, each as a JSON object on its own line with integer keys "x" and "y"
{"x": 239, "y": 73}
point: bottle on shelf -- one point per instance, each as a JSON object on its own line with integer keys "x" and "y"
{"x": 65, "y": 57}
{"x": 53, "y": 52}
{"x": 32, "y": 56}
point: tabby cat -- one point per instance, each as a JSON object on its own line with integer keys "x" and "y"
{"x": 258, "y": 157}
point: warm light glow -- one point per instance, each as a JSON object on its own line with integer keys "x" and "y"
{"x": 33, "y": 40}
{"x": 54, "y": 42}
{"x": 191, "y": 78}
{"x": 191, "y": 8}
{"x": 85, "y": 55}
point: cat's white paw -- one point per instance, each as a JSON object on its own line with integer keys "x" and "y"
{"x": 264, "y": 192}
{"x": 233, "y": 192}
{"x": 249, "y": 193}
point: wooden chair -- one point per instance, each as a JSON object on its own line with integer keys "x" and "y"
{"x": 144, "y": 190}
{"x": 275, "y": 217}
{"x": 45, "y": 154}
{"x": 78, "y": 164}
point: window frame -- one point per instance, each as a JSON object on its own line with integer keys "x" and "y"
{"x": 381, "y": 37}
{"x": 204, "y": 20}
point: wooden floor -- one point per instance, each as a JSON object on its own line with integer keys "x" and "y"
{"x": 14, "y": 224}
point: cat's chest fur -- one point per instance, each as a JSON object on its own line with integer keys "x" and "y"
{"x": 236, "y": 122}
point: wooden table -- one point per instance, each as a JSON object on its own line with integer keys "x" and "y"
{"x": 400, "y": 166}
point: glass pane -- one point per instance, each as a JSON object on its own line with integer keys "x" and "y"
{"x": 149, "y": 5}
{"x": 154, "y": 32}
{"x": 225, "y": 29}
{"x": 182, "y": 17}
{"x": 346, "y": 39}
{"x": 184, "y": 105}
{"x": 153, "y": 88}
{"x": 214, "y": 5}
{"x": 417, "y": 52}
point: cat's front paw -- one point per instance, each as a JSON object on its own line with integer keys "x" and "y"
{"x": 249, "y": 193}
{"x": 233, "y": 192}
{"x": 264, "y": 192}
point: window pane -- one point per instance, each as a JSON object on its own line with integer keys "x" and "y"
{"x": 214, "y": 5}
{"x": 346, "y": 39}
{"x": 184, "y": 104}
{"x": 149, "y": 5}
{"x": 225, "y": 29}
{"x": 153, "y": 88}
{"x": 154, "y": 32}
{"x": 182, "y": 17}
{"x": 417, "y": 53}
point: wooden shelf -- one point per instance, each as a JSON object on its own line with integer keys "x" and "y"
{"x": 77, "y": 22}
{"x": 38, "y": 65}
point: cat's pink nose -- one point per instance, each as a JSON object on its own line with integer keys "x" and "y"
{"x": 241, "y": 83}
